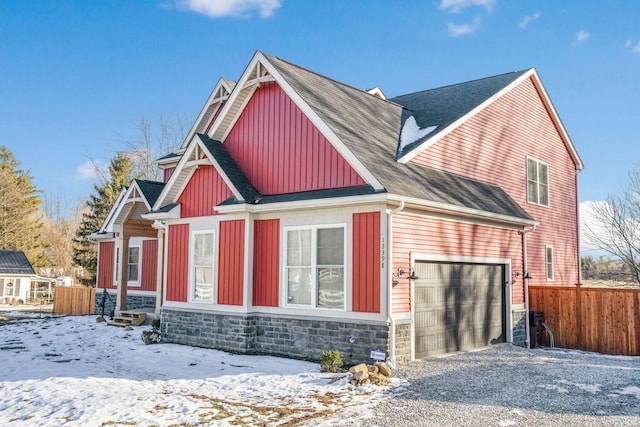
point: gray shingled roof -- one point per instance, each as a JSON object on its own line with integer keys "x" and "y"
{"x": 370, "y": 128}
{"x": 442, "y": 106}
{"x": 150, "y": 190}
{"x": 15, "y": 262}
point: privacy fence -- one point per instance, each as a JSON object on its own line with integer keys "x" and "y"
{"x": 603, "y": 320}
{"x": 74, "y": 300}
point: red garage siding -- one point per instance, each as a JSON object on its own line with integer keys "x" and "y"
{"x": 266, "y": 262}
{"x": 493, "y": 147}
{"x": 106, "y": 265}
{"x": 149, "y": 264}
{"x": 178, "y": 262}
{"x": 366, "y": 262}
{"x": 231, "y": 262}
{"x": 205, "y": 189}
{"x": 419, "y": 234}
{"x": 281, "y": 151}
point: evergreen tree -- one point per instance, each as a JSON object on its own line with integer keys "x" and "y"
{"x": 85, "y": 253}
{"x": 19, "y": 216}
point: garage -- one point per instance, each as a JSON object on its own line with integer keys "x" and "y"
{"x": 458, "y": 306}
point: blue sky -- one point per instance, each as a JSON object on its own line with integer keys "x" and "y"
{"x": 76, "y": 75}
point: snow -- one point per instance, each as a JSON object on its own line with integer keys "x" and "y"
{"x": 77, "y": 372}
{"x": 411, "y": 132}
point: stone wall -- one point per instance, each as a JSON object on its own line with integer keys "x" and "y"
{"x": 403, "y": 343}
{"x": 519, "y": 328}
{"x": 279, "y": 336}
{"x": 134, "y": 302}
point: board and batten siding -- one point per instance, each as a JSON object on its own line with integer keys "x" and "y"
{"x": 433, "y": 236}
{"x": 366, "y": 262}
{"x": 266, "y": 262}
{"x": 149, "y": 265}
{"x": 178, "y": 262}
{"x": 205, "y": 189}
{"x": 106, "y": 265}
{"x": 231, "y": 262}
{"x": 167, "y": 174}
{"x": 493, "y": 146}
{"x": 280, "y": 150}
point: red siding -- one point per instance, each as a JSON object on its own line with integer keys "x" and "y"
{"x": 177, "y": 262}
{"x": 366, "y": 262}
{"x": 281, "y": 151}
{"x": 441, "y": 237}
{"x": 493, "y": 146}
{"x": 167, "y": 174}
{"x": 149, "y": 264}
{"x": 205, "y": 189}
{"x": 266, "y": 262}
{"x": 106, "y": 265}
{"x": 231, "y": 262}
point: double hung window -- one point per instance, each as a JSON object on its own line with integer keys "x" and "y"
{"x": 202, "y": 266}
{"x": 315, "y": 266}
{"x": 133, "y": 264}
{"x": 537, "y": 182}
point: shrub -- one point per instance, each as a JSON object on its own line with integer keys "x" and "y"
{"x": 331, "y": 361}
{"x": 152, "y": 336}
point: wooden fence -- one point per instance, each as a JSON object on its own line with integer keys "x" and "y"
{"x": 603, "y": 320}
{"x": 74, "y": 300}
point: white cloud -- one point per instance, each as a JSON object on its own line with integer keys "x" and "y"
{"x": 463, "y": 29}
{"x": 222, "y": 8}
{"x": 88, "y": 170}
{"x": 455, "y": 6}
{"x": 527, "y": 20}
{"x": 582, "y": 36}
{"x": 636, "y": 48}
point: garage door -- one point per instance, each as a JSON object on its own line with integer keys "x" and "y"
{"x": 457, "y": 307}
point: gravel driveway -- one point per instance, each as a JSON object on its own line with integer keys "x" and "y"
{"x": 512, "y": 386}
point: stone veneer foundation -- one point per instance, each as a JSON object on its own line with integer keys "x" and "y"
{"x": 134, "y": 302}
{"x": 274, "y": 335}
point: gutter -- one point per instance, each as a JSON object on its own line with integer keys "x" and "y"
{"x": 392, "y": 323}
{"x": 525, "y": 272}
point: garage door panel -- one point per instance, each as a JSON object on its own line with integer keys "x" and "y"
{"x": 457, "y": 307}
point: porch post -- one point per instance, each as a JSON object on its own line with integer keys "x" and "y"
{"x": 121, "y": 301}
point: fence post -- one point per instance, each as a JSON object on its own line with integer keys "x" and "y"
{"x": 579, "y": 316}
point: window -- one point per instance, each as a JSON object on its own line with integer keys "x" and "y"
{"x": 537, "y": 182}
{"x": 117, "y": 266}
{"x": 315, "y": 266}
{"x": 133, "y": 261}
{"x": 202, "y": 266}
{"x": 10, "y": 287}
{"x": 549, "y": 262}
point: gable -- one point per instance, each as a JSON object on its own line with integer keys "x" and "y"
{"x": 205, "y": 189}
{"x": 492, "y": 146}
{"x": 280, "y": 151}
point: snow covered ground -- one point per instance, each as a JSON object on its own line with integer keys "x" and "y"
{"x": 73, "y": 371}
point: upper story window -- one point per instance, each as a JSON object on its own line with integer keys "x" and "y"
{"x": 133, "y": 264}
{"x": 548, "y": 255}
{"x": 315, "y": 265}
{"x": 202, "y": 266}
{"x": 537, "y": 182}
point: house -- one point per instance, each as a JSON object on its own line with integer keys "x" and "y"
{"x": 302, "y": 215}
{"x": 19, "y": 283}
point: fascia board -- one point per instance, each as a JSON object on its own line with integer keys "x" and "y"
{"x": 174, "y": 177}
{"x": 303, "y": 204}
{"x": 461, "y": 211}
{"x": 172, "y": 214}
{"x": 453, "y": 126}
{"x": 108, "y": 222}
{"x": 210, "y": 99}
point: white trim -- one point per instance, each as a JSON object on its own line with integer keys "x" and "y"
{"x": 506, "y": 282}
{"x": 173, "y": 213}
{"x": 214, "y": 262}
{"x": 313, "y": 305}
{"x": 547, "y": 262}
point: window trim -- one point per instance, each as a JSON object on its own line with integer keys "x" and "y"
{"x": 116, "y": 265}
{"x": 549, "y": 263}
{"x": 191, "y": 276}
{"x": 138, "y": 281}
{"x": 313, "y": 305}
{"x": 537, "y": 182}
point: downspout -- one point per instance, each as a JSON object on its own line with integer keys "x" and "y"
{"x": 390, "y": 320}
{"x": 525, "y": 270}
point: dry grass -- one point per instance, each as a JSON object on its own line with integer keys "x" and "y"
{"x": 614, "y": 284}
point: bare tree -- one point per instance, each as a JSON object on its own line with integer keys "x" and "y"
{"x": 153, "y": 140}
{"x": 617, "y": 225}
